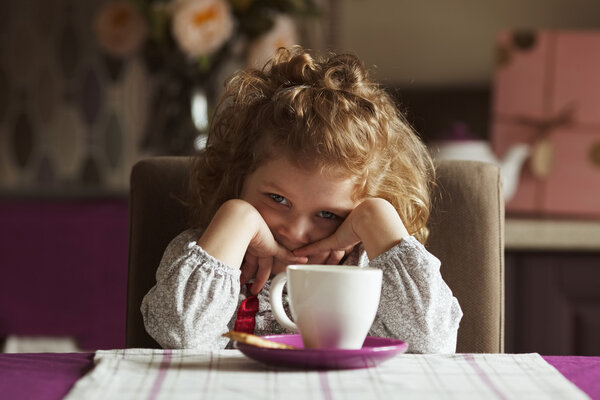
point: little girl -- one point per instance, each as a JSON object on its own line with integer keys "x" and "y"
{"x": 307, "y": 161}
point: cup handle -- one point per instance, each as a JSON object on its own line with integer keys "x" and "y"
{"x": 276, "y": 301}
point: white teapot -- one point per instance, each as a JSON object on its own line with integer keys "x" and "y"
{"x": 480, "y": 150}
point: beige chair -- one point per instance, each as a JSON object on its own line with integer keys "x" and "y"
{"x": 467, "y": 235}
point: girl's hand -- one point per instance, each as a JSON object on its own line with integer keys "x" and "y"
{"x": 374, "y": 222}
{"x": 238, "y": 229}
{"x": 329, "y": 257}
{"x": 258, "y": 268}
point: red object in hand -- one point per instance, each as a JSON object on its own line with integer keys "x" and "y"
{"x": 245, "y": 320}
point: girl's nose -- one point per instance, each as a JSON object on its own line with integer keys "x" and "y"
{"x": 296, "y": 231}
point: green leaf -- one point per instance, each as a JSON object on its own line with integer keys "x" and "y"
{"x": 204, "y": 63}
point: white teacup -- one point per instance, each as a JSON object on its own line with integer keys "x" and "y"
{"x": 333, "y": 305}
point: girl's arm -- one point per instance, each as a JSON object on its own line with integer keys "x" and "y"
{"x": 198, "y": 281}
{"x": 374, "y": 223}
{"x": 194, "y": 298}
{"x": 239, "y": 237}
{"x": 416, "y": 304}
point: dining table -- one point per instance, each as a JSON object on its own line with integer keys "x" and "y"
{"x": 229, "y": 374}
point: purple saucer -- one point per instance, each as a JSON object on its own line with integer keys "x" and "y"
{"x": 374, "y": 351}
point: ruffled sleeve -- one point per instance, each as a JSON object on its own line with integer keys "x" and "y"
{"x": 194, "y": 298}
{"x": 416, "y": 304}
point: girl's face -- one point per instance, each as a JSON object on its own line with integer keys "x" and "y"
{"x": 300, "y": 206}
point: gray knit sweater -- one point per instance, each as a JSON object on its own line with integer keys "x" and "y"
{"x": 196, "y": 297}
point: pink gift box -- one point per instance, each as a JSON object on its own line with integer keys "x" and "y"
{"x": 547, "y": 90}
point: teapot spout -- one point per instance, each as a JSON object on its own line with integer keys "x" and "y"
{"x": 511, "y": 168}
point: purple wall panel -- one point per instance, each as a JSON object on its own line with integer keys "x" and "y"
{"x": 63, "y": 269}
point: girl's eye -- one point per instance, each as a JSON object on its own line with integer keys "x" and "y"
{"x": 278, "y": 199}
{"x": 327, "y": 215}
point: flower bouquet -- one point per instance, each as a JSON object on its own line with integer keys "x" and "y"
{"x": 190, "y": 47}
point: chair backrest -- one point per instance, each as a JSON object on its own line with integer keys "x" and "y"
{"x": 467, "y": 235}
{"x": 156, "y": 216}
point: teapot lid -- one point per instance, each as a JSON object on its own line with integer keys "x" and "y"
{"x": 458, "y": 131}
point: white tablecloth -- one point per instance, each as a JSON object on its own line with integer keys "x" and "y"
{"x": 227, "y": 374}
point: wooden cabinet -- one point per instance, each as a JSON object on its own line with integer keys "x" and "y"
{"x": 553, "y": 288}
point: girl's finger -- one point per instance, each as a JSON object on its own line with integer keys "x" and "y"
{"x": 276, "y": 250}
{"x": 320, "y": 246}
{"x": 262, "y": 274}
{"x": 335, "y": 257}
{"x": 289, "y": 257}
{"x": 248, "y": 268}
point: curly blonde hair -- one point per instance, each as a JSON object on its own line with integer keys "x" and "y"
{"x": 317, "y": 109}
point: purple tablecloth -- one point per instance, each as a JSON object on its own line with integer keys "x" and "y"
{"x": 51, "y": 375}
{"x": 582, "y": 371}
{"x": 42, "y": 375}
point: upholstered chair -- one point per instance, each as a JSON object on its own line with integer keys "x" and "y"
{"x": 467, "y": 235}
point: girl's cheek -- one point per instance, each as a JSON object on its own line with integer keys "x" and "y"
{"x": 324, "y": 230}
{"x": 271, "y": 217}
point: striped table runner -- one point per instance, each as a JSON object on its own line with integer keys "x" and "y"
{"x": 227, "y": 374}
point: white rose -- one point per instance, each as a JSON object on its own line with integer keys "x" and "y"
{"x": 283, "y": 34}
{"x": 201, "y": 27}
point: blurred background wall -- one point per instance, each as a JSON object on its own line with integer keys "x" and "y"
{"x": 73, "y": 118}
{"x": 436, "y": 43}
{"x": 70, "y": 118}
{"x": 438, "y": 58}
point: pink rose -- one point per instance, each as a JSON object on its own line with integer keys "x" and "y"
{"x": 200, "y": 27}
{"x": 120, "y": 29}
